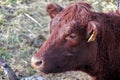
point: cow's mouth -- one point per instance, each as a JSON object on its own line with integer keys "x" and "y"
{"x": 46, "y": 68}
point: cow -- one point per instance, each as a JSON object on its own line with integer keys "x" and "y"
{"x": 81, "y": 39}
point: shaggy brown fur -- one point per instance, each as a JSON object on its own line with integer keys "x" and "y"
{"x": 81, "y": 39}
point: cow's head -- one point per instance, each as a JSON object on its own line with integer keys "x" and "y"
{"x": 72, "y": 42}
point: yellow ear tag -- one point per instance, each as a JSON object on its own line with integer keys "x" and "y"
{"x": 92, "y": 37}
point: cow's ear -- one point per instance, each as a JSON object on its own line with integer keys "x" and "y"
{"x": 53, "y": 9}
{"x": 92, "y": 31}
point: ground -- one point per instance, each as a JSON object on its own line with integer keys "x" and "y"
{"x": 24, "y": 26}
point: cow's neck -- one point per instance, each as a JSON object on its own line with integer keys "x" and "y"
{"x": 109, "y": 46}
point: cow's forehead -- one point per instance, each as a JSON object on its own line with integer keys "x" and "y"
{"x": 67, "y": 26}
{"x": 57, "y": 21}
{"x": 63, "y": 29}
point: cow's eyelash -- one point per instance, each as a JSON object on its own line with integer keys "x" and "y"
{"x": 72, "y": 36}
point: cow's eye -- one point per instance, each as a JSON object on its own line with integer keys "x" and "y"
{"x": 73, "y": 36}
{"x": 72, "y": 39}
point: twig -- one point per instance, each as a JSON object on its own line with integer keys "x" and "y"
{"x": 33, "y": 19}
{"x": 7, "y": 70}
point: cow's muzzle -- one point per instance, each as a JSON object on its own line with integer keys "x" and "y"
{"x": 37, "y": 63}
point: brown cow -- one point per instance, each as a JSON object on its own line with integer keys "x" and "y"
{"x": 81, "y": 39}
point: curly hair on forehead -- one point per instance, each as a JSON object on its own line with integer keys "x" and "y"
{"x": 79, "y": 12}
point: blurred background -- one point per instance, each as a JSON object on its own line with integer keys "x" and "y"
{"x": 24, "y": 26}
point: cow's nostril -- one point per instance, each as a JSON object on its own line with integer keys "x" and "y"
{"x": 38, "y": 63}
